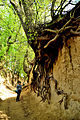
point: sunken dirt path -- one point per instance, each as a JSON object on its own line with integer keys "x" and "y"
{"x": 29, "y": 108}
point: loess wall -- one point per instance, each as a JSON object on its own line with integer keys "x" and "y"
{"x": 66, "y": 70}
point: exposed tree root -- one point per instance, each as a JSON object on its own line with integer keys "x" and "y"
{"x": 67, "y": 26}
{"x": 54, "y": 39}
{"x": 74, "y": 32}
{"x": 49, "y": 41}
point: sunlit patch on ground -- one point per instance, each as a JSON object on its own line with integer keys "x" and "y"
{"x": 4, "y": 92}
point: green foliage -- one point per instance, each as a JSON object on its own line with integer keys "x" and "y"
{"x": 13, "y": 42}
{"x": 42, "y": 11}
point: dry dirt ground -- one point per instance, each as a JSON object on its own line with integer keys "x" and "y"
{"x": 29, "y": 108}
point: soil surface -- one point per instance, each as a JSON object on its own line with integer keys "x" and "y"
{"x": 28, "y": 108}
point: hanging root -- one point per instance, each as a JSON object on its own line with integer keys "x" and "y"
{"x": 69, "y": 26}
{"x": 64, "y": 98}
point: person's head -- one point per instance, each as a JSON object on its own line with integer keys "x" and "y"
{"x": 19, "y": 82}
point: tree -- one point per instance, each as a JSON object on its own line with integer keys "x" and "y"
{"x": 13, "y": 42}
{"x": 47, "y": 25}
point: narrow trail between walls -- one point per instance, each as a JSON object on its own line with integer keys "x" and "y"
{"x": 29, "y": 108}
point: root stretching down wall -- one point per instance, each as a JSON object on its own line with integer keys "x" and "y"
{"x": 54, "y": 53}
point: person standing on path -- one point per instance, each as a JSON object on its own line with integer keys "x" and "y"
{"x": 18, "y": 91}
